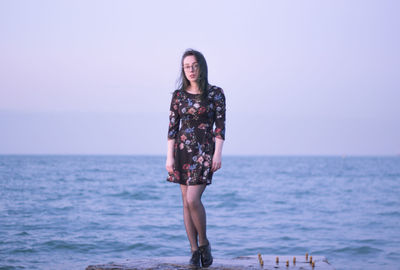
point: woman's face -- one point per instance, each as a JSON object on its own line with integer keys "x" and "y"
{"x": 191, "y": 68}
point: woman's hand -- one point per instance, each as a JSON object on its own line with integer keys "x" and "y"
{"x": 169, "y": 164}
{"x": 216, "y": 162}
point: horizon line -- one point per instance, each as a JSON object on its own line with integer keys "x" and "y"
{"x": 224, "y": 155}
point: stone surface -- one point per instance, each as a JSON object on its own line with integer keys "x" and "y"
{"x": 245, "y": 262}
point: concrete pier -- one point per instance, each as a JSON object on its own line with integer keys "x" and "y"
{"x": 267, "y": 262}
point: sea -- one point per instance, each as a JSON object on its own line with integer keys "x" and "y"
{"x": 71, "y": 211}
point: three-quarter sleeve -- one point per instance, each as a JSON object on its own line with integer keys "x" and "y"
{"x": 219, "y": 105}
{"x": 174, "y": 117}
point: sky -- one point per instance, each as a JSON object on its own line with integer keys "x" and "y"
{"x": 300, "y": 77}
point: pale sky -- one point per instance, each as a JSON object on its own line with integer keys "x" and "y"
{"x": 300, "y": 77}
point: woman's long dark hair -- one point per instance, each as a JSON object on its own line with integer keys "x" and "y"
{"x": 202, "y": 80}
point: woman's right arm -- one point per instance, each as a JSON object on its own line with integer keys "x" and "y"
{"x": 173, "y": 128}
{"x": 169, "y": 165}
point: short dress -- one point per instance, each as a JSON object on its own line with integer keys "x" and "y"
{"x": 191, "y": 122}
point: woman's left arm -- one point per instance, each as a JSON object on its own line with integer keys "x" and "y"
{"x": 217, "y": 157}
{"x": 219, "y": 132}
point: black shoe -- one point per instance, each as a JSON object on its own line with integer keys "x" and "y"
{"x": 195, "y": 260}
{"x": 206, "y": 257}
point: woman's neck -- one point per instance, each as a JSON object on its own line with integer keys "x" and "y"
{"x": 193, "y": 88}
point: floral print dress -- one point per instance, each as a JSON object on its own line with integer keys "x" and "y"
{"x": 191, "y": 124}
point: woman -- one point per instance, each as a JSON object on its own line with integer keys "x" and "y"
{"x": 194, "y": 148}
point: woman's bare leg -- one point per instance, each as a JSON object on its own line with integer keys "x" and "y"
{"x": 194, "y": 215}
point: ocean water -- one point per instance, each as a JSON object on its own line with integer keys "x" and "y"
{"x": 66, "y": 212}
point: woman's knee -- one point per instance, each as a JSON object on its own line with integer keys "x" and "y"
{"x": 185, "y": 203}
{"x": 193, "y": 202}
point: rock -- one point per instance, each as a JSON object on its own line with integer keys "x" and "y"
{"x": 244, "y": 262}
